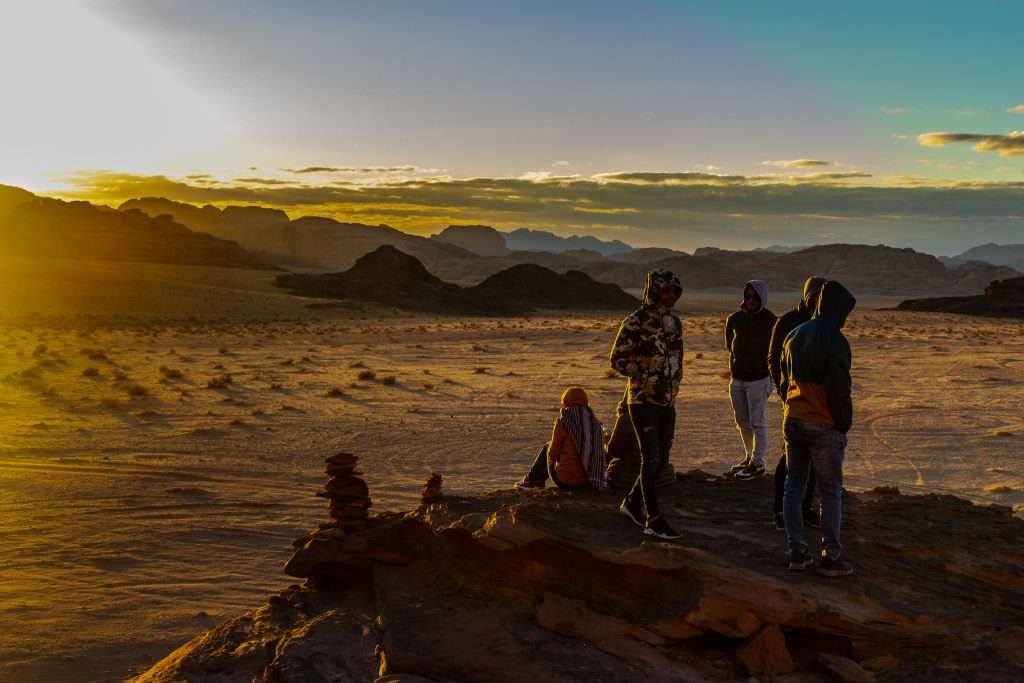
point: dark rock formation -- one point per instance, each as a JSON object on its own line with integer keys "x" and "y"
{"x": 388, "y": 276}
{"x": 540, "y": 287}
{"x": 557, "y": 586}
{"x": 50, "y": 228}
{"x": 1002, "y": 299}
{"x": 481, "y": 240}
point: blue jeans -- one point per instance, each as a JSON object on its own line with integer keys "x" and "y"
{"x": 655, "y": 428}
{"x": 824, "y": 446}
{"x": 543, "y": 469}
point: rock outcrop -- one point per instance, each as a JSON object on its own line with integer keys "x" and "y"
{"x": 1002, "y": 299}
{"x": 39, "y": 227}
{"x": 388, "y": 276}
{"x": 556, "y": 586}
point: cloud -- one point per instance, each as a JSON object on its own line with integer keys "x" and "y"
{"x": 263, "y": 181}
{"x": 967, "y": 111}
{"x": 822, "y": 177}
{"x": 562, "y": 163}
{"x": 895, "y": 111}
{"x": 1009, "y": 145}
{"x": 797, "y": 163}
{"x": 362, "y": 170}
{"x": 1019, "y": 109}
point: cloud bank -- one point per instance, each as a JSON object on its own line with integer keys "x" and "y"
{"x": 1009, "y": 145}
{"x": 682, "y": 210}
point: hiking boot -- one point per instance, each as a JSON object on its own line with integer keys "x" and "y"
{"x": 657, "y": 526}
{"x": 812, "y": 519}
{"x": 527, "y": 485}
{"x": 833, "y": 568}
{"x": 750, "y": 472}
{"x": 742, "y": 465}
{"x": 799, "y": 560}
{"x": 634, "y": 510}
{"x": 780, "y": 522}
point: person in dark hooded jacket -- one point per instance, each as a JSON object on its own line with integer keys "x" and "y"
{"x": 649, "y": 351}
{"x": 815, "y": 379}
{"x": 748, "y": 332}
{"x": 783, "y": 326}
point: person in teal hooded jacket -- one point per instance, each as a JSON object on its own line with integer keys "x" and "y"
{"x": 818, "y": 413}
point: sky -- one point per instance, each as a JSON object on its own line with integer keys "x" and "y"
{"x": 677, "y": 124}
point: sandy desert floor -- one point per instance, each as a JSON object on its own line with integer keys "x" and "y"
{"x": 154, "y": 474}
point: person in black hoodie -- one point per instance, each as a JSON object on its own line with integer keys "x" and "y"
{"x": 815, "y": 378}
{"x": 748, "y": 332}
{"x": 783, "y": 326}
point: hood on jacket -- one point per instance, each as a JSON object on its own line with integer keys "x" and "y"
{"x": 657, "y": 280}
{"x": 574, "y": 396}
{"x": 761, "y": 287}
{"x": 812, "y": 286}
{"x": 835, "y": 303}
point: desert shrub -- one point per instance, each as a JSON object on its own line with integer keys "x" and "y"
{"x": 119, "y": 376}
{"x": 480, "y": 371}
{"x": 389, "y": 380}
{"x": 335, "y": 392}
{"x": 366, "y": 376}
{"x": 357, "y": 364}
{"x": 110, "y": 403}
{"x": 91, "y": 372}
{"x": 219, "y": 382}
{"x": 428, "y": 386}
{"x": 170, "y": 373}
{"x": 137, "y": 391}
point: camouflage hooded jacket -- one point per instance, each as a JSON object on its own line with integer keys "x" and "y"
{"x": 649, "y": 346}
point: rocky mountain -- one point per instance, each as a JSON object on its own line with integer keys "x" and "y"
{"x": 557, "y": 586}
{"x": 1001, "y": 299}
{"x": 481, "y": 240}
{"x": 310, "y": 242}
{"x": 524, "y": 239}
{"x": 390, "y": 277}
{"x": 39, "y": 227}
{"x": 1010, "y": 255}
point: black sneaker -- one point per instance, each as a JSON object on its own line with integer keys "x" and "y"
{"x": 750, "y": 472}
{"x": 657, "y": 526}
{"x": 633, "y": 510}
{"x": 812, "y": 519}
{"x": 799, "y": 561}
{"x": 742, "y": 465}
{"x": 833, "y": 568}
{"x": 780, "y": 522}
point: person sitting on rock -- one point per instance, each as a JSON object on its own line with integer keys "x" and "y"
{"x": 815, "y": 378}
{"x": 574, "y": 458}
{"x": 747, "y": 334}
{"x": 649, "y": 351}
{"x": 783, "y": 326}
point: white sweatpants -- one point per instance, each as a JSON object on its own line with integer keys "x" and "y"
{"x": 749, "y": 400}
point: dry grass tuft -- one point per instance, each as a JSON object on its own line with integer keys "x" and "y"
{"x": 137, "y": 390}
{"x": 366, "y": 376}
{"x": 170, "y": 373}
{"x": 335, "y": 392}
{"x": 389, "y": 380}
{"x": 220, "y": 382}
{"x": 91, "y": 372}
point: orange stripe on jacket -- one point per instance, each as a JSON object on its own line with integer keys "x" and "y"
{"x": 807, "y": 401}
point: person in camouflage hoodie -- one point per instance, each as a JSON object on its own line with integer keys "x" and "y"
{"x": 648, "y": 350}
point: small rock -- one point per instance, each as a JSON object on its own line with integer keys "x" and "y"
{"x": 846, "y": 670}
{"x": 766, "y": 653}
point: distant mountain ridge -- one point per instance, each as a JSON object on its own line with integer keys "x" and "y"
{"x": 1010, "y": 255}
{"x": 525, "y": 239}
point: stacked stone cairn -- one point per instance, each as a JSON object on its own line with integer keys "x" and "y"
{"x": 347, "y": 492}
{"x": 338, "y": 541}
{"x": 432, "y": 489}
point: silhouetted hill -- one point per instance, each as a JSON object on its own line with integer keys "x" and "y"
{"x": 11, "y": 196}
{"x": 482, "y": 240}
{"x": 1002, "y": 299}
{"x": 541, "y": 240}
{"x": 544, "y": 288}
{"x": 310, "y": 241}
{"x": 388, "y": 276}
{"x": 51, "y": 228}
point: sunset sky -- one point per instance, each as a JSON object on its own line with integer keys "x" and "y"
{"x": 664, "y": 123}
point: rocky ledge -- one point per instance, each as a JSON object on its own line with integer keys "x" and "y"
{"x": 556, "y": 586}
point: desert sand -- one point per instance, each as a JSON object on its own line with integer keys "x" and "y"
{"x": 163, "y": 440}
